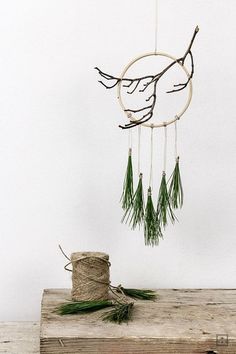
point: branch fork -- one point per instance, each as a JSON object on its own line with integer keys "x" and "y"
{"x": 142, "y": 83}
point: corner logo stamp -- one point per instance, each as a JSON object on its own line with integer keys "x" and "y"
{"x": 222, "y": 340}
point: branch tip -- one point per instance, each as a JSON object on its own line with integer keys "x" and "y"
{"x": 152, "y": 82}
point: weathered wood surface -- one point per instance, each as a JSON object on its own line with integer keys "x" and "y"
{"x": 182, "y": 321}
{"x": 19, "y": 337}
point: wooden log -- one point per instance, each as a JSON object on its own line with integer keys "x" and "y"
{"x": 185, "y": 321}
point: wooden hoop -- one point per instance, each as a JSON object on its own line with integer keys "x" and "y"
{"x": 177, "y": 116}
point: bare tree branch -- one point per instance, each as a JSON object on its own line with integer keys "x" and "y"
{"x": 143, "y": 82}
{"x": 185, "y": 84}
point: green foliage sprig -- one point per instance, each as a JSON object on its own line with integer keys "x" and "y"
{"x": 135, "y": 214}
{"x": 128, "y": 191}
{"x": 176, "y": 194}
{"x": 141, "y": 294}
{"x": 152, "y": 229}
{"x": 122, "y": 308}
{"x": 138, "y": 205}
{"x": 76, "y": 307}
{"x": 122, "y": 312}
{"x": 164, "y": 208}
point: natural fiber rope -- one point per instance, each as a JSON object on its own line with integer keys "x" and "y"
{"x": 130, "y": 139}
{"x": 139, "y": 147}
{"x": 151, "y": 160}
{"x": 165, "y": 149}
{"x": 90, "y": 276}
{"x": 156, "y": 24}
{"x": 176, "y": 141}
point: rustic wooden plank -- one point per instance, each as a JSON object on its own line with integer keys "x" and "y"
{"x": 180, "y": 321}
{"x": 19, "y": 337}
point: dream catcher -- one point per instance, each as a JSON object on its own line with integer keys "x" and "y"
{"x": 139, "y": 209}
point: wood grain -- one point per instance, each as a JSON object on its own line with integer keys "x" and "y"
{"x": 19, "y": 337}
{"x": 180, "y": 321}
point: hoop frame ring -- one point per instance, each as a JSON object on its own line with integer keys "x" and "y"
{"x": 165, "y": 122}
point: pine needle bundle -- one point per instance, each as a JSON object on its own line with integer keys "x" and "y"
{"x": 176, "y": 193}
{"x": 164, "y": 208}
{"x": 76, "y": 307}
{"x": 136, "y": 211}
{"x": 122, "y": 312}
{"x": 141, "y": 294}
{"x": 127, "y": 194}
{"x": 152, "y": 229}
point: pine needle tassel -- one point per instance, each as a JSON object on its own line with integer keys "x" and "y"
{"x": 127, "y": 194}
{"x": 164, "y": 207}
{"x": 152, "y": 229}
{"x": 175, "y": 192}
{"x": 135, "y": 214}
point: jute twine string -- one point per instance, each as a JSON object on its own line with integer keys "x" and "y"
{"x": 90, "y": 275}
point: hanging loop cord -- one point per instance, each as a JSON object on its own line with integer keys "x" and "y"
{"x": 165, "y": 149}
{"x": 151, "y": 159}
{"x": 139, "y": 147}
{"x": 130, "y": 141}
{"x": 176, "y": 141}
{"x": 156, "y": 25}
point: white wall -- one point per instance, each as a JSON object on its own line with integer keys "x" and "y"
{"x": 63, "y": 157}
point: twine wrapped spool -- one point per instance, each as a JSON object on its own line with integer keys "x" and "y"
{"x": 90, "y": 276}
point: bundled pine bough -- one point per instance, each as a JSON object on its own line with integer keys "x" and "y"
{"x": 121, "y": 312}
{"x": 152, "y": 229}
{"x": 121, "y": 306}
{"x": 127, "y": 194}
{"x": 74, "y": 307}
{"x": 140, "y": 294}
{"x": 135, "y": 213}
{"x": 176, "y": 194}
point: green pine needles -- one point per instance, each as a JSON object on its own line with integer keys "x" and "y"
{"x": 76, "y": 307}
{"x": 164, "y": 208}
{"x": 121, "y": 312}
{"x": 121, "y": 306}
{"x": 127, "y": 194}
{"x": 135, "y": 213}
{"x": 140, "y": 294}
{"x": 176, "y": 194}
{"x": 152, "y": 229}
{"x": 170, "y": 198}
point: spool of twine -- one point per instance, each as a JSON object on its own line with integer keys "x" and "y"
{"x": 90, "y": 276}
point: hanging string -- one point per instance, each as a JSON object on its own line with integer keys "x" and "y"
{"x": 130, "y": 139}
{"x": 156, "y": 24}
{"x": 151, "y": 159}
{"x": 176, "y": 141}
{"x": 175, "y": 191}
{"x": 139, "y": 147}
{"x": 165, "y": 149}
{"x": 127, "y": 190}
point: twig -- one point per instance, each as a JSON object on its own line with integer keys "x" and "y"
{"x": 64, "y": 253}
{"x": 152, "y": 81}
